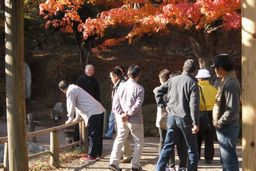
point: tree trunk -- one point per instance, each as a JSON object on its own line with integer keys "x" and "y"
{"x": 201, "y": 49}
{"x": 248, "y": 83}
{"x": 15, "y": 100}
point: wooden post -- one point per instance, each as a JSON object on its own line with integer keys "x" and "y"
{"x": 83, "y": 137}
{"x": 15, "y": 99}
{"x": 31, "y": 125}
{"x": 5, "y": 156}
{"x": 54, "y": 149}
{"x": 248, "y": 83}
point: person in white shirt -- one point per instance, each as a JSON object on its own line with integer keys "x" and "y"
{"x": 82, "y": 104}
{"x": 127, "y": 105}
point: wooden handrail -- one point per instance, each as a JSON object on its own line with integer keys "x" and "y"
{"x": 43, "y": 131}
{"x": 54, "y": 142}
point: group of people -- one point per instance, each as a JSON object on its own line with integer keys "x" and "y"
{"x": 190, "y": 110}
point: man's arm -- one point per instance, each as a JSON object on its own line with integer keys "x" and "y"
{"x": 159, "y": 93}
{"x": 116, "y": 106}
{"x": 232, "y": 97}
{"x": 97, "y": 90}
{"x": 194, "y": 104}
{"x": 70, "y": 106}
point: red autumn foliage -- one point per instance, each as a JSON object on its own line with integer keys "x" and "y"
{"x": 142, "y": 16}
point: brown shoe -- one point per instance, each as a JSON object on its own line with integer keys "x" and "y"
{"x": 137, "y": 169}
{"x": 114, "y": 167}
{"x": 126, "y": 160}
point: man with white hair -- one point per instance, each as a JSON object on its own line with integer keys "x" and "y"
{"x": 88, "y": 82}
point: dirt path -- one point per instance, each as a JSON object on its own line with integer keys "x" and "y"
{"x": 148, "y": 160}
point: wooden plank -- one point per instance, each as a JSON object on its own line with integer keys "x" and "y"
{"x": 43, "y": 131}
{"x": 15, "y": 98}
{"x": 32, "y": 156}
{"x": 69, "y": 145}
{"x": 248, "y": 84}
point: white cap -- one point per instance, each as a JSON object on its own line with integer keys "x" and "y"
{"x": 203, "y": 73}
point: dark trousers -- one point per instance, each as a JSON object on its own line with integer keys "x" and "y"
{"x": 206, "y": 135}
{"x": 95, "y": 131}
{"x": 76, "y": 132}
{"x": 181, "y": 148}
{"x": 177, "y": 126}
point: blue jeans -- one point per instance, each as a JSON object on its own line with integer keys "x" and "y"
{"x": 177, "y": 126}
{"x": 111, "y": 125}
{"x": 227, "y": 138}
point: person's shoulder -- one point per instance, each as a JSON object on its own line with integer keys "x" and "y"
{"x": 181, "y": 77}
{"x": 140, "y": 86}
{"x": 73, "y": 86}
{"x": 233, "y": 84}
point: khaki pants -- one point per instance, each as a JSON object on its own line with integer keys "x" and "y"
{"x": 126, "y": 150}
{"x": 123, "y": 130}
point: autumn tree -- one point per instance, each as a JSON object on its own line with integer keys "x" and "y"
{"x": 91, "y": 19}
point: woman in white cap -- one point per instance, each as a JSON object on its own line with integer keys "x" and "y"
{"x": 206, "y": 131}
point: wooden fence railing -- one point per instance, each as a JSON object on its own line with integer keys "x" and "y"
{"x": 54, "y": 143}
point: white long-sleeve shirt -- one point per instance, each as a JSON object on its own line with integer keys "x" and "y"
{"x": 81, "y": 103}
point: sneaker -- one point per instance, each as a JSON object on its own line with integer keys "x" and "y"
{"x": 126, "y": 160}
{"x": 170, "y": 169}
{"x": 88, "y": 158}
{"x": 114, "y": 167}
{"x": 137, "y": 169}
{"x": 98, "y": 158}
{"x": 182, "y": 169}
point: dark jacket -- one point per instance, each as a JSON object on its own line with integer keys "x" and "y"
{"x": 230, "y": 103}
{"x": 182, "y": 97}
{"x": 90, "y": 85}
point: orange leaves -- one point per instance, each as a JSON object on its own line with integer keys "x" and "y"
{"x": 109, "y": 3}
{"x": 232, "y": 21}
{"x": 52, "y": 10}
{"x": 214, "y": 9}
{"x": 182, "y": 14}
{"x": 92, "y": 27}
{"x": 50, "y": 7}
{"x": 144, "y": 19}
{"x": 107, "y": 43}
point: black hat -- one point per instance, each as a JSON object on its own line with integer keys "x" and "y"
{"x": 222, "y": 60}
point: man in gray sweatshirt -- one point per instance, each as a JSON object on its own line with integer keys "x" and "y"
{"x": 182, "y": 107}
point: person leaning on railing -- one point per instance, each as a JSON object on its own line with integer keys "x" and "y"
{"x": 84, "y": 105}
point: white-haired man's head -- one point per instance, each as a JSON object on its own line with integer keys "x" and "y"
{"x": 89, "y": 70}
